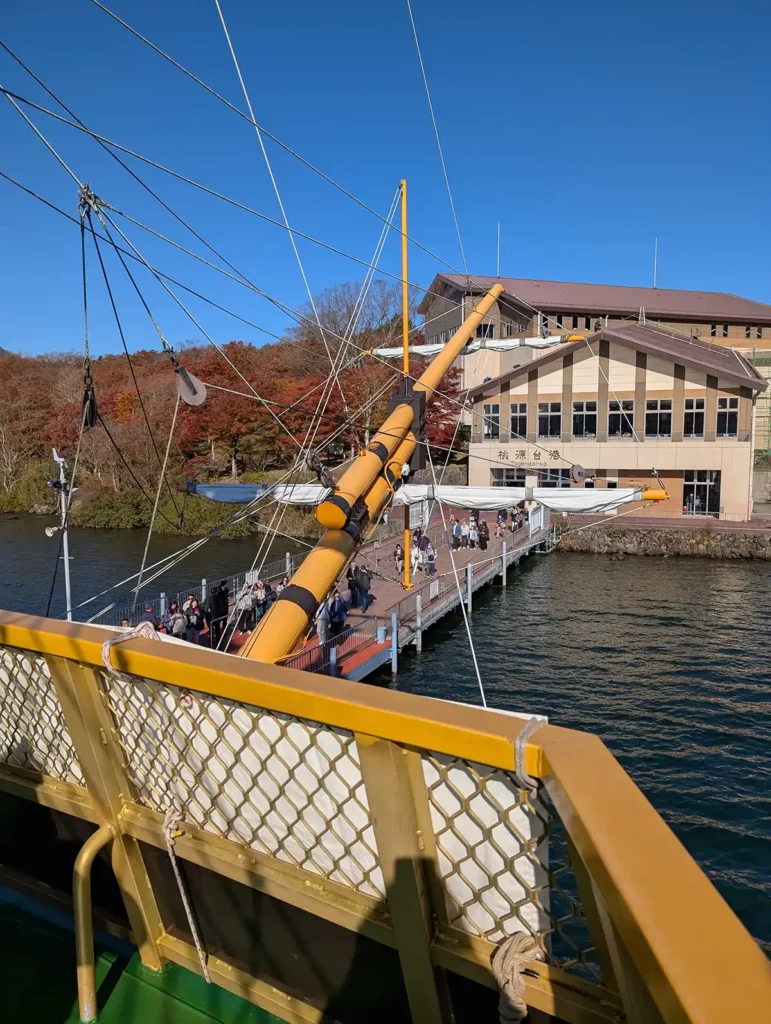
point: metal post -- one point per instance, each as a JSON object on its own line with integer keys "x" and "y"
{"x": 394, "y": 643}
{"x": 332, "y": 660}
{"x": 406, "y": 367}
{"x": 389, "y": 773}
{"x": 63, "y": 507}
{"x": 163, "y": 603}
{"x": 504, "y": 564}
{"x": 419, "y": 623}
{"x": 468, "y": 587}
{"x": 287, "y": 564}
{"x": 203, "y": 591}
{"x": 84, "y": 925}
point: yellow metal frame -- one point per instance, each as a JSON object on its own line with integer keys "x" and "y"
{"x": 663, "y": 934}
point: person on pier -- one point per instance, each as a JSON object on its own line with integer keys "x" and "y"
{"x": 464, "y": 533}
{"x": 353, "y": 585}
{"x": 484, "y": 535}
{"x": 430, "y": 559}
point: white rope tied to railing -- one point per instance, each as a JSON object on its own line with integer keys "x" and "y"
{"x": 508, "y": 964}
{"x": 531, "y": 725}
{"x": 145, "y": 629}
{"x": 170, "y": 822}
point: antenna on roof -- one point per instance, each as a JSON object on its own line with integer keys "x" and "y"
{"x": 498, "y": 259}
{"x": 655, "y": 259}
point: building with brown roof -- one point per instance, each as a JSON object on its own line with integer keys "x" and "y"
{"x": 536, "y": 307}
{"x": 627, "y": 403}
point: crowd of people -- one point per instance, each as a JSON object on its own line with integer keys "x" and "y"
{"x": 206, "y": 624}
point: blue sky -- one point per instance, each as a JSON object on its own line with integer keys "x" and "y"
{"x": 584, "y": 129}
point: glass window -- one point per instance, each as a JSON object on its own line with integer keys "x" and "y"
{"x": 587, "y": 323}
{"x": 759, "y": 332}
{"x": 549, "y": 419}
{"x": 725, "y": 330}
{"x": 621, "y": 418}
{"x": 701, "y": 492}
{"x": 485, "y": 331}
{"x": 492, "y": 420}
{"x": 713, "y": 331}
{"x": 509, "y": 477}
{"x": 658, "y": 417}
{"x": 611, "y": 483}
{"x": 727, "y": 417}
{"x": 575, "y": 323}
{"x": 559, "y": 320}
{"x": 554, "y": 478}
{"x": 693, "y": 420}
{"x": 748, "y": 331}
{"x": 509, "y": 330}
{"x": 518, "y": 419}
{"x": 584, "y": 419}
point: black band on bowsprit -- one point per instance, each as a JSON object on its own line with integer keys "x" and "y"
{"x": 379, "y": 449}
{"x": 353, "y": 531}
{"x": 339, "y": 502}
{"x": 300, "y": 596}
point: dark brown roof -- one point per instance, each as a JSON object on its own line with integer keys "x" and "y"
{"x": 721, "y": 362}
{"x": 601, "y": 299}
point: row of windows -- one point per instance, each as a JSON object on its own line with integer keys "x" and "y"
{"x": 748, "y": 330}
{"x": 621, "y": 418}
{"x": 564, "y": 320}
{"x": 507, "y": 330}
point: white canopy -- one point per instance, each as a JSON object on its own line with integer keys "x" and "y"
{"x": 559, "y": 499}
{"x": 500, "y": 345}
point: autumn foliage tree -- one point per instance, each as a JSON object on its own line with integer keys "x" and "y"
{"x": 255, "y": 417}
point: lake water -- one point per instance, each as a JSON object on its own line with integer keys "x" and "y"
{"x": 667, "y": 660}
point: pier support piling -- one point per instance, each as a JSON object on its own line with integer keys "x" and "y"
{"x": 504, "y": 565}
{"x": 288, "y": 563}
{"x": 419, "y": 624}
{"x": 469, "y": 568}
{"x": 203, "y": 591}
{"x": 333, "y": 660}
{"x": 163, "y": 603}
{"x": 394, "y": 644}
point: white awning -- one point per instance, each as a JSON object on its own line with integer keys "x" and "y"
{"x": 493, "y": 345}
{"x": 559, "y": 499}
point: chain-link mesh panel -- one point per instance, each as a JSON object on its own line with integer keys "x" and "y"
{"x": 283, "y": 786}
{"x": 503, "y": 861}
{"x": 33, "y": 733}
{"x": 492, "y": 849}
{"x": 570, "y": 943}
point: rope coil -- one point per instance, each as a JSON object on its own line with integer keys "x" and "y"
{"x": 508, "y": 964}
{"x": 174, "y": 814}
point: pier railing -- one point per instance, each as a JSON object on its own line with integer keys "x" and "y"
{"x": 352, "y": 852}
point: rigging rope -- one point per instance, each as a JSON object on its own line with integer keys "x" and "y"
{"x": 438, "y": 140}
{"x": 279, "y": 200}
{"x": 161, "y": 480}
{"x": 508, "y": 966}
{"x": 265, "y": 132}
{"x": 128, "y": 357}
{"x": 457, "y": 584}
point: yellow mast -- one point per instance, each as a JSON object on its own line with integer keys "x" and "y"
{"x": 406, "y": 367}
{"x": 359, "y": 495}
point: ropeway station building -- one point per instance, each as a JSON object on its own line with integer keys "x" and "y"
{"x": 617, "y": 380}
{"x": 621, "y": 403}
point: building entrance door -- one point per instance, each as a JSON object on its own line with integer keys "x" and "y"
{"x": 701, "y": 492}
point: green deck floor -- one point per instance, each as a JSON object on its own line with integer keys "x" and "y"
{"x": 37, "y": 981}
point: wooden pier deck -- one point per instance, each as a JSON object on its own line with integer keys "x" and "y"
{"x": 368, "y": 643}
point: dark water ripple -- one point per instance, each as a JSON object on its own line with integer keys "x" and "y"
{"x": 666, "y": 660}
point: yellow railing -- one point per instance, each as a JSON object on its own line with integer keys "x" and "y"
{"x": 396, "y": 817}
